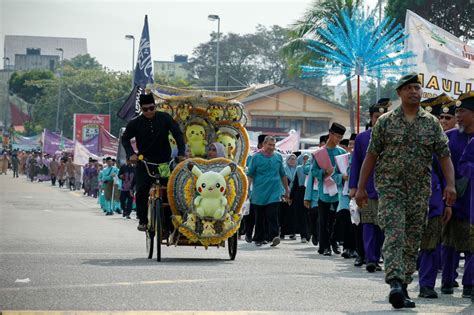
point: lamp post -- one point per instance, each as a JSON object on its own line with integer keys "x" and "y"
{"x": 214, "y": 17}
{"x": 5, "y": 109}
{"x": 133, "y": 57}
{"x": 59, "y": 89}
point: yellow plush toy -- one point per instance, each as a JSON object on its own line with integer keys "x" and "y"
{"x": 196, "y": 139}
{"x": 208, "y": 228}
{"x": 229, "y": 142}
{"x": 234, "y": 113}
{"x": 215, "y": 113}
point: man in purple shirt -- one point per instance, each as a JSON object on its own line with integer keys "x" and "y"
{"x": 439, "y": 213}
{"x": 371, "y": 232}
{"x": 457, "y": 231}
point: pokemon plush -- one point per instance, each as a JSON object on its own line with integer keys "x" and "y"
{"x": 196, "y": 139}
{"x": 229, "y": 142}
{"x": 211, "y": 186}
{"x": 164, "y": 107}
{"x": 191, "y": 221}
{"x": 215, "y": 113}
{"x": 184, "y": 112}
{"x": 208, "y": 228}
{"x": 234, "y": 113}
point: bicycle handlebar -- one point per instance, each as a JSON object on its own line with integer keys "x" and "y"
{"x": 142, "y": 159}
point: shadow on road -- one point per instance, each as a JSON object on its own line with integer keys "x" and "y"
{"x": 152, "y": 262}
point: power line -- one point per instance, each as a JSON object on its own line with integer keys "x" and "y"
{"x": 94, "y": 103}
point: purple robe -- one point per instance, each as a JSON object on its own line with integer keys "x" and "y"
{"x": 358, "y": 155}
{"x": 457, "y": 142}
{"x": 437, "y": 185}
{"x": 466, "y": 167}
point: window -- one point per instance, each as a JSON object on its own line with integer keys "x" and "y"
{"x": 264, "y": 122}
{"x": 314, "y": 126}
{"x": 296, "y": 124}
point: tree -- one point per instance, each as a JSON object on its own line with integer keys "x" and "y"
{"x": 370, "y": 97}
{"x": 454, "y": 16}
{"x": 26, "y": 84}
{"x": 85, "y": 61}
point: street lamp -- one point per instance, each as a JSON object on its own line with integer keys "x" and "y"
{"x": 133, "y": 57}
{"x": 214, "y": 17}
{"x": 59, "y": 89}
{"x": 5, "y": 109}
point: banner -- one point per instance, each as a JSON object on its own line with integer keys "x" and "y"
{"x": 444, "y": 62}
{"x": 143, "y": 75}
{"x": 82, "y": 154}
{"x": 87, "y": 126}
{"x": 54, "y": 143}
{"x": 92, "y": 145}
{"x": 26, "y": 143}
{"x": 108, "y": 144}
{"x": 289, "y": 144}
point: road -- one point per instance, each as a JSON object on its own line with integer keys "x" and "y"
{"x": 77, "y": 259}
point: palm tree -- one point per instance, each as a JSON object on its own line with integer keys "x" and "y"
{"x": 296, "y": 51}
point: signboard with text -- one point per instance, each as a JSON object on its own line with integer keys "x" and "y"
{"x": 87, "y": 126}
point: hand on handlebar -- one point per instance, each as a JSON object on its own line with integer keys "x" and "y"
{"x": 133, "y": 158}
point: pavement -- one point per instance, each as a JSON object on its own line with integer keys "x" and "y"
{"x": 59, "y": 252}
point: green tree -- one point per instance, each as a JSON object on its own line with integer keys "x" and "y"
{"x": 85, "y": 61}
{"x": 454, "y": 16}
{"x": 27, "y": 84}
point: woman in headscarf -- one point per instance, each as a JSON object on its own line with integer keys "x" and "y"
{"x": 297, "y": 192}
{"x": 216, "y": 150}
{"x": 287, "y": 217}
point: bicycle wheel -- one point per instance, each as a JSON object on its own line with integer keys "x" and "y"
{"x": 158, "y": 227}
{"x": 232, "y": 245}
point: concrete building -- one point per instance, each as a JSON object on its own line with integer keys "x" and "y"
{"x": 28, "y": 46}
{"x": 285, "y": 108}
{"x": 172, "y": 70}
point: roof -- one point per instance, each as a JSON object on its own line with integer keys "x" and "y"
{"x": 18, "y": 117}
{"x": 274, "y": 89}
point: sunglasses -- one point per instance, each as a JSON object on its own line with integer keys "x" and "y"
{"x": 148, "y": 108}
{"x": 447, "y": 117}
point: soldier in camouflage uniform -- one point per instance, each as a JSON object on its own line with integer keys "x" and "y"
{"x": 401, "y": 150}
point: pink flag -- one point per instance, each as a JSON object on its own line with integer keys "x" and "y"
{"x": 324, "y": 162}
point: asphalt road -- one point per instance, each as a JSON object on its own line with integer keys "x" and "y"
{"x": 77, "y": 259}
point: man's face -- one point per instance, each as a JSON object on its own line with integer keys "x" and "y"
{"x": 351, "y": 145}
{"x": 447, "y": 121}
{"x": 148, "y": 110}
{"x": 269, "y": 146}
{"x": 410, "y": 94}
{"x": 465, "y": 119}
{"x": 335, "y": 137}
{"x": 110, "y": 163}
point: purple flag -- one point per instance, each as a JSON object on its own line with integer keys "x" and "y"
{"x": 92, "y": 145}
{"x": 54, "y": 143}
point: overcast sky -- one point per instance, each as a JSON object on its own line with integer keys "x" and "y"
{"x": 176, "y": 27}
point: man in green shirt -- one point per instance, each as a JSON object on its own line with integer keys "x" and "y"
{"x": 401, "y": 150}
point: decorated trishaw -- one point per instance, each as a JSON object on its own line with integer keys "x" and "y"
{"x": 204, "y": 196}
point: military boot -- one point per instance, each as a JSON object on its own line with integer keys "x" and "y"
{"x": 396, "y": 297}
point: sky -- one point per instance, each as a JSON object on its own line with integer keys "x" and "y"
{"x": 176, "y": 27}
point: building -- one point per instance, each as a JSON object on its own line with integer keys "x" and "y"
{"x": 172, "y": 70}
{"x": 275, "y": 108}
{"x": 39, "y": 51}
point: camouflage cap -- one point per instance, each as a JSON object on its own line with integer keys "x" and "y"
{"x": 407, "y": 79}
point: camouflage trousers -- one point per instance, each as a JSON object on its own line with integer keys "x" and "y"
{"x": 402, "y": 216}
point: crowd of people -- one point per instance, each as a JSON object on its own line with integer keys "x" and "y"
{"x": 399, "y": 192}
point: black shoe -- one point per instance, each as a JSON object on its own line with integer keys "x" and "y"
{"x": 141, "y": 227}
{"x": 275, "y": 241}
{"x": 346, "y": 254}
{"x": 109, "y": 213}
{"x": 467, "y": 291}
{"x": 445, "y": 289}
{"x": 407, "y": 303}
{"x": 371, "y": 267}
{"x": 455, "y": 284}
{"x": 358, "y": 262}
{"x": 378, "y": 267}
{"x": 128, "y": 217}
{"x": 396, "y": 297}
{"x": 327, "y": 252}
{"x": 248, "y": 239}
{"x": 314, "y": 240}
{"x": 292, "y": 237}
{"x": 354, "y": 254}
{"x": 427, "y": 293}
{"x": 258, "y": 244}
{"x": 335, "y": 249}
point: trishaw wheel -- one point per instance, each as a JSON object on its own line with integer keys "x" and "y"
{"x": 158, "y": 227}
{"x": 232, "y": 245}
{"x": 150, "y": 240}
